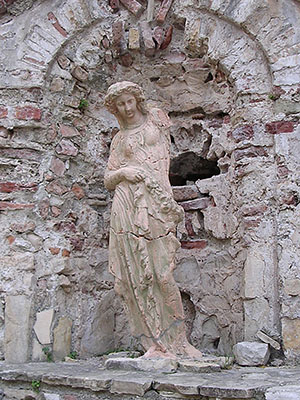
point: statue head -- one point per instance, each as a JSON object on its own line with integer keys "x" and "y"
{"x": 124, "y": 87}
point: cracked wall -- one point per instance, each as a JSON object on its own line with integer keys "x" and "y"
{"x": 228, "y": 75}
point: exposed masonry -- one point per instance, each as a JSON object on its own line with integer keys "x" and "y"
{"x": 229, "y": 78}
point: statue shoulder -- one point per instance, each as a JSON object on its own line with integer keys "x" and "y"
{"x": 160, "y": 117}
{"x": 116, "y": 140}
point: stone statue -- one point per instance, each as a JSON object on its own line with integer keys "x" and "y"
{"x": 144, "y": 217}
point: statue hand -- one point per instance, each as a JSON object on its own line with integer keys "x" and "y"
{"x": 132, "y": 174}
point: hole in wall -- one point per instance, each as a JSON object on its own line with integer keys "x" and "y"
{"x": 189, "y": 312}
{"x": 191, "y": 167}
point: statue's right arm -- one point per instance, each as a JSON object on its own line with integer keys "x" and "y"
{"x": 113, "y": 178}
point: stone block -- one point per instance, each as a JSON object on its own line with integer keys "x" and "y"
{"x": 28, "y": 113}
{"x": 277, "y": 127}
{"x": 57, "y": 166}
{"x": 133, "y": 6}
{"x": 292, "y": 287}
{"x": 147, "y": 39}
{"x": 184, "y": 193}
{"x": 42, "y": 326}
{"x": 37, "y": 351}
{"x": 134, "y": 39}
{"x": 98, "y": 336}
{"x": 288, "y": 392}
{"x": 291, "y": 334}
{"x": 131, "y": 384}
{"x": 163, "y": 11}
{"x": 62, "y": 339}
{"x": 168, "y": 38}
{"x": 267, "y": 339}
{"x": 17, "y": 328}
{"x": 3, "y": 112}
{"x": 254, "y": 275}
{"x": 251, "y": 353}
{"x": 67, "y": 148}
{"x": 142, "y": 364}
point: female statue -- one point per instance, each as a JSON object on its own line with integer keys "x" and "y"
{"x": 144, "y": 217}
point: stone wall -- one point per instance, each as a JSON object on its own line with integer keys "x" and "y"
{"x": 227, "y": 72}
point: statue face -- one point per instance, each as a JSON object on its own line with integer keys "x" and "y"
{"x": 127, "y": 107}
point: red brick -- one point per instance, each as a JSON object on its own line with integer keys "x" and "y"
{"x": 189, "y": 224}
{"x": 9, "y": 187}
{"x": 250, "y": 211}
{"x": 56, "y": 211}
{"x": 158, "y": 36}
{"x": 65, "y": 226}
{"x": 77, "y": 243}
{"x": 168, "y": 38}
{"x": 114, "y": 4}
{"x": 21, "y": 228}
{"x": 10, "y": 239}
{"x": 2, "y": 7}
{"x": 63, "y": 62}
{"x": 193, "y": 244}
{"x": 68, "y": 131}
{"x": 65, "y": 253}
{"x": 80, "y": 73}
{"x": 31, "y": 155}
{"x": 242, "y": 133}
{"x": 78, "y": 191}
{"x": 277, "y": 127}
{"x": 118, "y": 32}
{"x": 28, "y": 113}
{"x": 251, "y": 222}
{"x": 250, "y": 152}
{"x": 290, "y": 200}
{"x": 33, "y": 61}
{"x": 3, "y": 112}
{"x": 57, "y": 166}
{"x": 133, "y": 6}
{"x": 226, "y": 119}
{"x": 67, "y": 148}
{"x": 54, "y": 250}
{"x": 197, "y": 204}
{"x": 56, "y": 187}
{"x": 163, "y": 11}
{"x": 54, "y": 21}
{"x": 44, "y": 208}
{"x": 126, "y": 60}
{"x": 183, "y": 193}
{"x": 283, "y": 171}
{"x": 6, "y": 205}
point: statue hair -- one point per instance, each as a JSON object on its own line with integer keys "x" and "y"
{"x": 119, "y": 88}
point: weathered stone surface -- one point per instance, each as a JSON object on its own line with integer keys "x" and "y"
{"x": 184, "y": 193}
{"x": 142, "y": 364}
{"x": 42, "y": 326}
{"x": 267, "y": 339}
{"x": 133, "y": 39}
{"x": 149, "y": 44}
{"x": 98, "y": 337}
{"x": 62, "y": 339}
{"x": 131, "y": 384}
{"x": 17, "y": 328}
{"x": 251, "y": 353}
{"x": 292, "y": 287}
{"x": 290, "y": 333}
{"x": 289, "y": 392}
